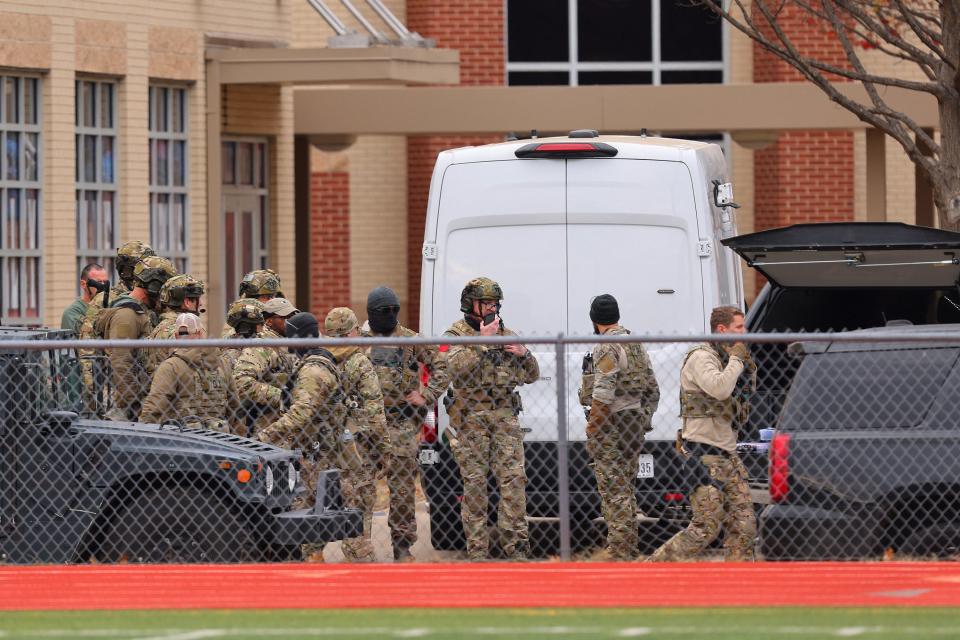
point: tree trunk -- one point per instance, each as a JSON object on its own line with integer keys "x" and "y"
{"x": 946, "y": 182}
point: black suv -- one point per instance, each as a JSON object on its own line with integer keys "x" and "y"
{"x": 866, "y": 455}
{"x": 73, "y": 489}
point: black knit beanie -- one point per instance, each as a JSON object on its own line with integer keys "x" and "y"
{"x": 604, "y": 309}
{"x": 382, "y": 297}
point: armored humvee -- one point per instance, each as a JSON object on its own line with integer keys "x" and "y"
{"x": 74, "y": 489}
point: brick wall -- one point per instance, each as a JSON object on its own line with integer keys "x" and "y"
{"x": 476, "y": 29}
{"x": 329, "y": 241}
{"x": 807, "y": 176}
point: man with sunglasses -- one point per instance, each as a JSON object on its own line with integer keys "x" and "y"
{"x": 407, "y": 397}
{"x": 92, "y": 278}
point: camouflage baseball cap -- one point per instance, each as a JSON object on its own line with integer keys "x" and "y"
{"x": 245, "y": 310}
{"x": 152, "y": 272}
{"x": 262, "y": 282}
{"x": 177, "y": 288}
{"x": 340, "y": 322}
{"x": 479, "y": 289}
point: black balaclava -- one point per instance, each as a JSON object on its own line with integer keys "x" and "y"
{"x": 604, "y": 310}
{"x": 302, "y": 325}
{"x": 383, "y": 307}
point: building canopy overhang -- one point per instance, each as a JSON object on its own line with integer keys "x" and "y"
{"x": 322, "y": 65}
{"x": 673, "y": 108}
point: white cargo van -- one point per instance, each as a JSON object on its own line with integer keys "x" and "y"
{"x": 557, "y": 221}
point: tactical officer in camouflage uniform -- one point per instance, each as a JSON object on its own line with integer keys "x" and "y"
{"x": 315, "y": 418}
{"x": 367, "y": 424}
{"x": 484, "y": 415}
{"x": 621, "y": 392}
{"x": 708, "y": 439}
{"x": 260, "y": 378}
{"x": 189, "y": 385}
{"x": 260, "y": 284}
{"x": 245, "y": 317}
{"x": 92, "y": 361}
{"x": 406, "y": 402}
{"x": 131, "y": 318}
{"x": 180, "y": 294}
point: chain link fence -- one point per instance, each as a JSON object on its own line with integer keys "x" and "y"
{"x": 440, "y": 449}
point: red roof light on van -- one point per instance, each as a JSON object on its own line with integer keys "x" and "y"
{"x": 561, "y": 150}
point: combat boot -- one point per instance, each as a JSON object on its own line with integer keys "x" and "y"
{"x": 401, "y": 553}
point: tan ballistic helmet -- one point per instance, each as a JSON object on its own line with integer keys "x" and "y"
{"x": 177, "y": 288}
{"x": 152, "y": 272}
{"x": 479, "y": 289}
{"x": 340, "y": 322}
{"x": 262, "y": 282}
{"x": 128, "y": 255}
{"x": 244, "y": 311}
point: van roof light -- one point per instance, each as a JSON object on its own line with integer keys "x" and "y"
{"x": 561, "y": 150}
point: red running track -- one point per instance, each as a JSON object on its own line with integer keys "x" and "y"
{"x": 337, "y": 586}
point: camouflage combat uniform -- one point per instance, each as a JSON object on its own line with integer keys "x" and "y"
{"x": 94, "y": 365}
{"x": 259, "y": 378}
{"x": 398, "y": 369}
{"x": 312, "y": 423}
{"x": 166, "y": 329}
{"x": 368, "y": 425}
{"x": 620, "y": 377}
{"x": 259, "y": 282}
{"x": 126, "y": 320}
{"x": 722, "y": 499}
{"x": 188, "y": 386}
{"x": 484, "y": 415}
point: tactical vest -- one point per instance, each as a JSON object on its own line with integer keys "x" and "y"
{"x": 497, "y": 380}
{"x": 327, "y": 430}
{"x": 209, "y": 401}
{"x": 397, "y": 369}
{"x": 634, "y": 380}
{"x": 698, "y": 404}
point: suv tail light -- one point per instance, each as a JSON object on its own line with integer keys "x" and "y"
{"x": 561, "y": 150}
{"x": 779, "y": 467}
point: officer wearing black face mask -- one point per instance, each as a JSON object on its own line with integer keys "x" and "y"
{"x": 408, "y": 395}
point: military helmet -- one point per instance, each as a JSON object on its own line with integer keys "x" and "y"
{"x": 340, "y": 322}
{"x": 178, "y": 288}
{"x": 245, "y": 312}
{"x": 261, "y": 282}
{"x": 479, "y": 289}
{"x": 128, "y": 256}
{"x": 152, "y": 272}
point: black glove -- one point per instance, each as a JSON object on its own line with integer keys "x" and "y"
{"x": 286, "y": 398}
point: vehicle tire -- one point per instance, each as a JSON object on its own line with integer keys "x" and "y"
{"x": 178, "y": 524}
{"x": 936, "y": 541}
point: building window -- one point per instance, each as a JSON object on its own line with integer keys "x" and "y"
{"x": 245, "y": 197}
{"x": 169, "y": 175}
{"x": 20, "y": 200}
{"x": 583, "y": 42}
{"x": 96, "y": 166}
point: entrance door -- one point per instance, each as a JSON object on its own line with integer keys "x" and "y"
{"x": 245, "y": 210}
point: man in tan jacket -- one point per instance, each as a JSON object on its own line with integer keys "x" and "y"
{"x": 708, "y": 408}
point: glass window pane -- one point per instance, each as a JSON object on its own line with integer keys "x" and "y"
{"x": 179, "y": 110}
{"x": 12, "y": 155}
{"x": 12, "y": 295}
{"x": 529, "y": 78}
{"x": 163, "y": 116}
{"x": 106, "y": 105}
{"x": 106, "y": 160}
{"x": 227, "y": 157}
{"x": 264, "y": 227}
{"x": 90, "y": 159}
{"x": 90, "y": 219}
{"x": 231, "y": 250}
{"x": 246, "y": 241}
{"x": 691, "y": 77}
{"x": 30, "y": 100}
{"x": 614, "y": 31}
{"x": 32, "y": 213}
{"x": 162, "y": 163}
{"x": 11, "y": 236}
{"x": 161, "y": 240}
{"x": 689, "y": 32}
{"x": 106, "y": 241}
{"x": 262, "y": 166}
{"x": 615, "y": 77}
{"x": 89, "y": 97}
{"x": 538, "y": 30}
{"x": 31, "y": 171}
{"x": 244, "y": 163}
{"x": 11, "y": 100}
{"x": 32, "y": 286}
{"x": 152, "y": 108}
{"x": 179, "y": 163}
{"x": 180, "y": 215}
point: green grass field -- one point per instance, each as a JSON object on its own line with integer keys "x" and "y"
{"x": 715, "y": 624}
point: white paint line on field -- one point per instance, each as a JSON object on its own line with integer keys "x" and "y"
{"x": 634, "y": 632}
{"x": 412, "y": 633}
{"x": 190, "y": 635}
{"x": 850, "y": 632}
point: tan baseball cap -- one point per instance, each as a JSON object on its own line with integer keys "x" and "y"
{"x": 189, "y": 323}
{"x": 279, "y": 307}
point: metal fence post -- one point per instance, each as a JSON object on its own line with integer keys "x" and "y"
{"x": 563, "y": 474}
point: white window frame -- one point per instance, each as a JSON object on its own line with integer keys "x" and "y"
{"x": 261, "y": 241}
{"x": 162, "y": 234}
{"x": 28, "y": 288}
{"x": 573, "y": 66}
{"x": 104, "y": 248}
